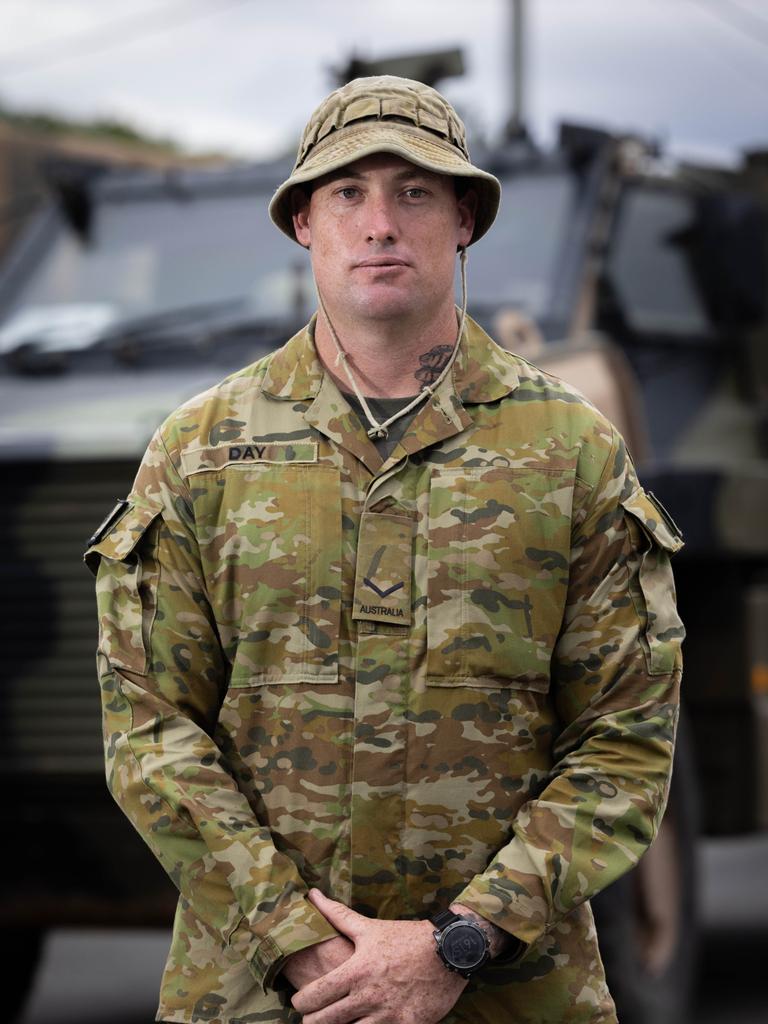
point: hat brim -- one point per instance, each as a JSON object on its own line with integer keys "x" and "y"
{"x": 420, "y": 147}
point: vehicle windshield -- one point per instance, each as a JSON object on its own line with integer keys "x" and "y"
{"x": 152, "y": 255}
{"x": 164, "y": 253}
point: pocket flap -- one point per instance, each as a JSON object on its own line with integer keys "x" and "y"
{"x": 125, "y": 526}
{"x": 655, "y": 519}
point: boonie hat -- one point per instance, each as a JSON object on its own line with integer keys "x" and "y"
{"x": 385, "y": 114}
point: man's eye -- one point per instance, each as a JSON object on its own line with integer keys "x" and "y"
{"x": 347, "y": 192}
{"x": 416, "y": 192}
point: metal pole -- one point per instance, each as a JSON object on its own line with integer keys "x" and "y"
{"x": 516, "y": 121}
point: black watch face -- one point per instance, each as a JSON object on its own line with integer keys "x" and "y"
{"x": 464, "y": 946}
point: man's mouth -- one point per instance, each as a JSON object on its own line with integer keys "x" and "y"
{"x": 382, "y": 261}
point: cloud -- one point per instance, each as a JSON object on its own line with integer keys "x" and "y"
{"x": 247, "y": 77}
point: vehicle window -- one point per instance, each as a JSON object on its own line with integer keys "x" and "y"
{"x": 648, "y": 264}
{"x": 515, "y": 263}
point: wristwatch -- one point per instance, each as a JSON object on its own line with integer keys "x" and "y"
{"x": 462, "y": 945}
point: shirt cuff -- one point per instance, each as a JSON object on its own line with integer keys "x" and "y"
{"x": 501, "y": 913}
{"x": 279, "y": 937}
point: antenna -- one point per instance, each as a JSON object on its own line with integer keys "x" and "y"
{"x": 516, "y": 125}
{"x": 429, "y": 67}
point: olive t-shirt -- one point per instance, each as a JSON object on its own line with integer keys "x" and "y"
{"x": 382, "y": 409}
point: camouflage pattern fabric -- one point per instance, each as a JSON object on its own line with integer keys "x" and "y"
{"x": 452, "y": 675}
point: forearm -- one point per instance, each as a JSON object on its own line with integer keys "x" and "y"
{"x": 592, "y": 822}
{"x": 163, "y": 675}
{"x": 615, "y": 676}
{"x": 168, "y": 777}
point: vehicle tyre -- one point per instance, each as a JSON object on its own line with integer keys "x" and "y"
{"x": 646, "y": 921}
{"x": 21, "y": 954}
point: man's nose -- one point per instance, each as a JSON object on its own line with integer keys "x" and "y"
{"x": 381, "y": 224}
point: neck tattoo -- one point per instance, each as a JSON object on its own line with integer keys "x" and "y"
{"x": 432, "y": 364}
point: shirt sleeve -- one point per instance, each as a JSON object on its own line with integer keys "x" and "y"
{"x": 163, "y": 676}
{"x": 615, "y": 679}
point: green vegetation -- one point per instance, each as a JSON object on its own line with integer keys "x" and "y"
{"x": 111, "y": 129}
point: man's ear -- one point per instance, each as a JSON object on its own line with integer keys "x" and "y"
{"x": 300, "y": 211}
{"x": 467, "y": 212}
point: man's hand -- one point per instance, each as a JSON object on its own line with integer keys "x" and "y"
{"x": 313, "y": 962}
{"x": 393, "y": 977}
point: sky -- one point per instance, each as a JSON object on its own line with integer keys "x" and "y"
{"x": 243, "y": 75}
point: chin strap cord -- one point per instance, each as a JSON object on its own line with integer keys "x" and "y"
{"x": 380, "y": 430}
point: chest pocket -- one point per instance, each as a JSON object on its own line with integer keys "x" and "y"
{"x": 270, "y": 538}
{"x": 497, "y": 569}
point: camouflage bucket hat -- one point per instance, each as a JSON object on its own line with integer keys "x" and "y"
{"x": 386, "y": 115}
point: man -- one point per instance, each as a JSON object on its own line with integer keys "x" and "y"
{"x": 388, "y": 649}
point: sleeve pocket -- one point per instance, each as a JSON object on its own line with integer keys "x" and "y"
{"x": 655, "y": 537}
{"x": 123, "y": 561}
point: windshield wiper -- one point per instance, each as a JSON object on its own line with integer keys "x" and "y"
{"x": 213, "y": 329}
{"x": 183, "y": 321}
{"x": 203, "y": 329}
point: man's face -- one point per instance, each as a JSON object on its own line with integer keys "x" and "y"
{"x": 383, "y": 235}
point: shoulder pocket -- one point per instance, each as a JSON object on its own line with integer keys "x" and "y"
{"x": 655, "y": 537}
{"x": 126, "y": 587}
{"x": 655, "y": 519}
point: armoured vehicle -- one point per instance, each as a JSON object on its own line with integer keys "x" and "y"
{"x": 643, "y": 283}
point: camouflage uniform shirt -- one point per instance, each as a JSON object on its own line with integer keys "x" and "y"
{"x": 449, "y": 676}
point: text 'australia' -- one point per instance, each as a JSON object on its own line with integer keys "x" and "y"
{"x": 378, "y": 609}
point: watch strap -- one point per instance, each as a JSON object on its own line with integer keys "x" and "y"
{"x": 444, "y": 918}
{"x": 513, "y": 952}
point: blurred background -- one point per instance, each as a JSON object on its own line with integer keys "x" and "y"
{"x": 139, "y": 146}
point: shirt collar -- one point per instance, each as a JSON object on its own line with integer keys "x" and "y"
{"x": 482, "y": 371}
{"x": 295, "y": 372}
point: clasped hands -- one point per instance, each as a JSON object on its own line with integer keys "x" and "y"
{"x": 375, "y": 972}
